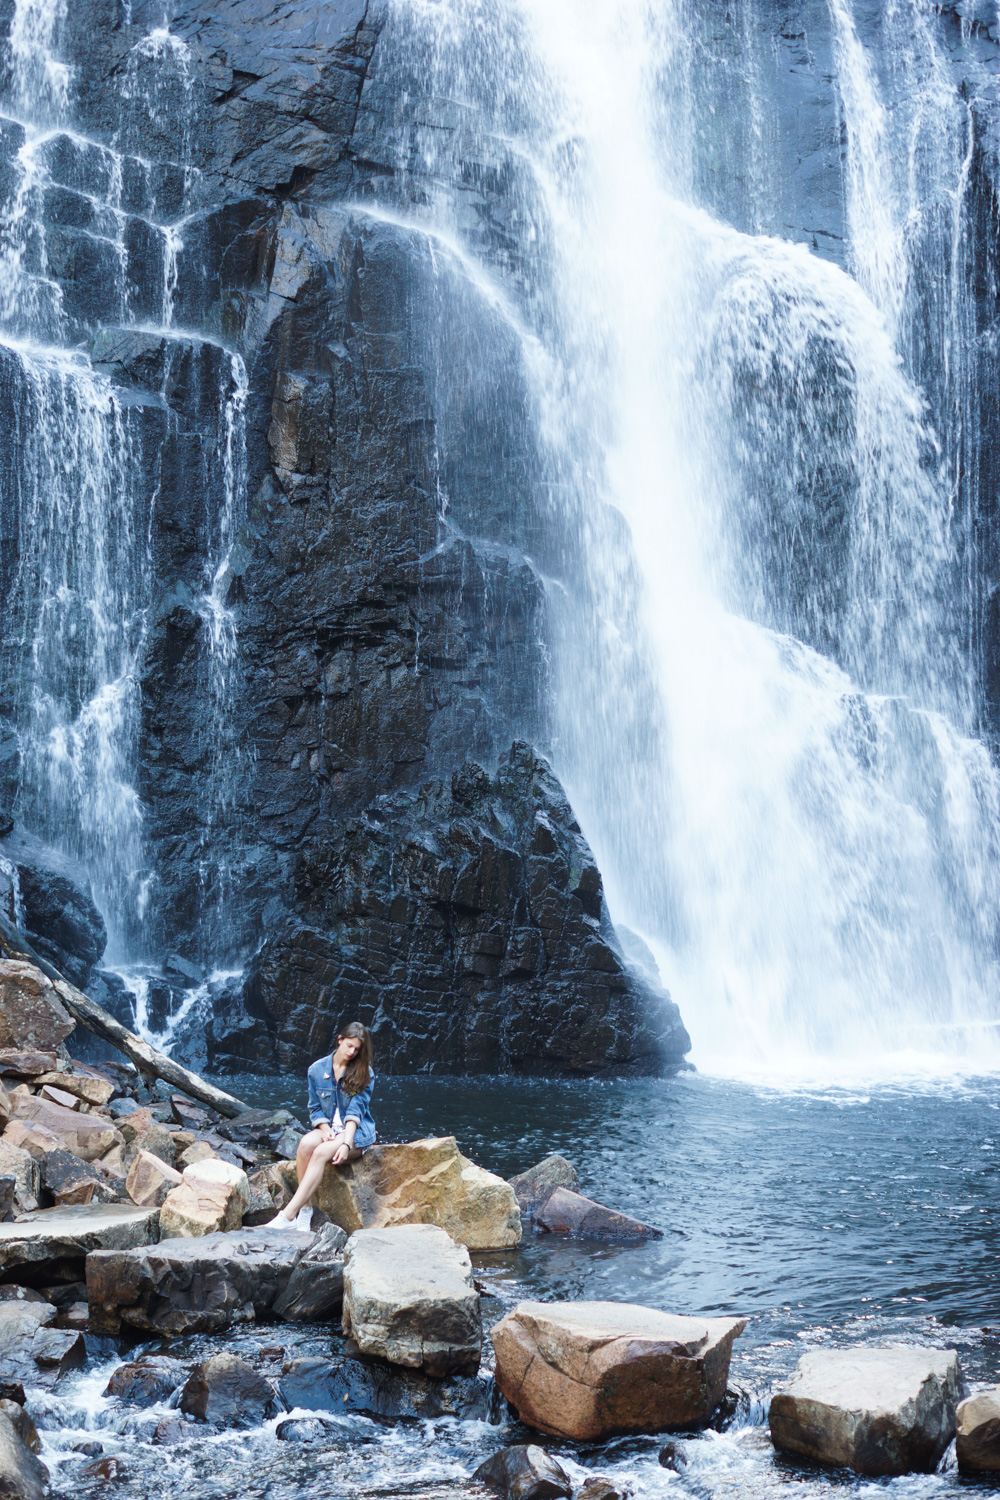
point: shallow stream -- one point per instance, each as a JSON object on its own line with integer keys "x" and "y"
{"x": 826, "y": 1216}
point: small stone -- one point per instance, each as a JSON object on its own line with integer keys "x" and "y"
{"x": 58, "y": 1350}
{"x": 226, "y": 1391}
{"x": 534, "y": 1186}
{"x": 302, "y": 1430}
{"x": 599, "y": 1488}
{"x": 170, "y": 1430}
{"x": 567, "y": 1212}
{"x": 524, "y": 1472}
{"x": 287, "y": 1144}
{"x": 59, "y": 1096}
{"x": 122, "y": 1108}
{"x": 110, "y": 1467}
{"x": 876, "y": 1411}
{"x": 93, "y": 1449}
{"x": 146, "y": 1380}
{"x": 669, "y": 1456}
{"x": 70, "y": 1180}
{"x": 189, "y": 1116}
{"x": 198, "y": 1151}
{"x": 150, "y": 1179}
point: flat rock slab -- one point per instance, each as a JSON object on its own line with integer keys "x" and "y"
{"x": 423, "y": 1182}
{"x": 977, "y": 1432}
{"x": 588, "y": 1370}
{"x": 566, "y": 1212}
{"x": 197, "y": 1285}
{"x": 348, "y": 1383}
{"x": 51, "y": 1235}
{"x": 876, "y": 1411}
{"x": 409, "y": 1299}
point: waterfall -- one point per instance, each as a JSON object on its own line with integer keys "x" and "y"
{"x": 81, "y": 499}
{"x": 764, "y": 702}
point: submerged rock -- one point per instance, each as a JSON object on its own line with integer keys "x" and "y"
{"x": 422, "y": 1182}
{"x": 877, "y": 1411}
{"x": 409, "y": 1299}
{"x": 226, "y": 1391}
{"x": 372, "y": 1388}
{"x": 977, "y": 1432}
{"x": 146, "y": 1380}
{"x": 524, "y": 1472}
{"x": 589, "y": 1370}
{"x": 567, "y": 1212}
{"x": 533, "y": 1187}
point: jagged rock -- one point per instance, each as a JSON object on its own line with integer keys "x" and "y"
{"x": 61, "y": 922}
{"x": 33, "y": 1140}
{"x": 188, "y": 1114}
{"x": 315, "y": 1288}
{"x": 70, "y": 1180}
{"x": 977, "y": 1432}
{"x": 15, "y": 1062}
{"x": 85, "y": 1087}
{"x": 58, "y": 1096}
{"x": 197, "y": 1151}
{"x": 269, "y": 1192}
{"x": 140, "y": 1131}
{"x": 198, "y": 1207}
{"x": 58, "y": 1350}
{"x": 409, "y": 1298}
{"x": 51, "y": 1236}
{"x": 25, "y": 1427}
{"x": 19, "y": 1164}
{"x": 195, "y": 1285}
{"x": 146, "y": 1380}
{"x": 226, "y": 1391}
{"x": 524, "y": 1472}
{"x": 422, "y": 1182}
{"x": 19, "y": 1322}
{"x": 8, "y": 1201}
{"x": 86, "y": 1136}
{"x": 533, "y": 1187}
{"x": 370, "y": 1387}
{"x": 482, "y": 890}
{"x": 5, "y": 1107}
{"x": 588, "y": 1370}
{"x": 170, "y": 1430}
{"x": 877, "y": 1411}
{"x": 149, "y": 1180}
{"x": 22, "y": 1475}
{"x": 566, "y": 1212}
{"x": 32, "y": 1017}
{"x": 221, "y": 1173}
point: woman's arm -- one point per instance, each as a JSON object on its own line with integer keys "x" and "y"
{"x": 358, "y": 1104}
{"x": 344, "y": 1149}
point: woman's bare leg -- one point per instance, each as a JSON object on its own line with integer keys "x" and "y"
{"x": 310, "y": 1179}
{"x": 306, "y": 1147}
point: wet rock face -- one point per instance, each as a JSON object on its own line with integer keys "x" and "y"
{"x": 466, "y": 925}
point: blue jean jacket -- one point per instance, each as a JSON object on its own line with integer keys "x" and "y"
{"x": 326, "y": 1096}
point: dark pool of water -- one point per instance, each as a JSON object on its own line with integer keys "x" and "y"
{"x": 825, "y": 1217}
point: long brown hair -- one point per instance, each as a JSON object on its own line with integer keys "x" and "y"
{"x": 358, "y": 1073}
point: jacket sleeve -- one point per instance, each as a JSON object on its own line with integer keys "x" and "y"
{"x": 316, "y": 1112}
{"x": 358, "y": 1104}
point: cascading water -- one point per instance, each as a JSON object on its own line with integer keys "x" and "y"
{"x": 763, "y": 702}
{"x": 81, "y": 500}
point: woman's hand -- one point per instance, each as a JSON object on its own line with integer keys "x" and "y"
{"x": 325, "y": 1132}
{"x": 341, "y": 1154}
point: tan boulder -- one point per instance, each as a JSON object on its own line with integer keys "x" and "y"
{"x": 977, "y": 1432}
{"x": 877, "y": 1411}
{"x": 149, "y": 1180}
{"x": 88, "y": 1089}
{"x": 87, "y": 1136}
{"x": 195, "y": 1208}
{"x": 31, "y": 1014}
{"x": 588, "y": 1370}
{"x": 23, "y": 1167}
{"x": 34, "y": 1139}
{"x": 423, "y": 1182}
{"x": 59, "y": 1096}
{"x": 219, "y": 1171}
{"x": 197, "y": 1151}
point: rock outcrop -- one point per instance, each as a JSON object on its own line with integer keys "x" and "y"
{"x": 877, "y": 1411}
{"x": 422, "y": 1182}
{"x": 588, "y": 1370}
{"x": 409, "y": 1298}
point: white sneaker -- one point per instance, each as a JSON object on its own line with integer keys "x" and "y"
{"x": 278, "y": 1222}
{"x": 303, "y": 1221}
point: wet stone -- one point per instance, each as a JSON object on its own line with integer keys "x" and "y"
{"x": 226, "y": 1391}
{"x": 373, "y": 1388}
{"x": 534, "y": 1187}
{"x": 146, "y": 1380}
{"x": 524, "y": 1472}
{"x": 566, "y": 1212}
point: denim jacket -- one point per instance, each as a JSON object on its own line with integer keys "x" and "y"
{"x": 326, "y": 1096}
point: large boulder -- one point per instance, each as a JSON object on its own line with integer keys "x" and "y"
{"x": 315, "y": 1289}
{"x": 204, "y": 1284}
{"x": 226, "y": 1391}
{"x": 150, "y": 1179}
{"x": 877, "y": 1411}
{"x": 87, "y": 1136}
{"x": 197, "y": 1207}
{"x": 22, "y": 1475}
{"x": 977, "y": 1432}
{"x": 31, "y": 1014}
{"x": 35, "y": 1352}
{"x": 534, "y": 1187}
{"x": 214, "y": 1170}
{"x": 422, "y": 1182}
{"x": 566, "y": 1212}
{"x": 409, "y": 1298}
{"x": 370, "y": 1387}
{"x": 588, "y": 1370}
{"x": 50, "y": 1236}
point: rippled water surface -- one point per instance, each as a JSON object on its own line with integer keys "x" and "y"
{"x": 830, "y": 1216}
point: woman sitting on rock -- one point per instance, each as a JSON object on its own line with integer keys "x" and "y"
{"x": 340, "y": 1091}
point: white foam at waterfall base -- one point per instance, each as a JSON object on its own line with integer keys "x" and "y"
{"x": 762, "y": 711}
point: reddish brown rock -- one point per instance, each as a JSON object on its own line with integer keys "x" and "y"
{"x": 588, "y": 1370}
{"x": 150, "y": 1179}
{"x": 85, "y": 1087}
{"x": 87, "y": 1136}
{"x": 35, "y": 1140}
{"x": 58, "y": 1096}
{"x": 17, "y": 1063}
{"x": 32, "y": 1017}
{"x": 566, "y": 1212}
